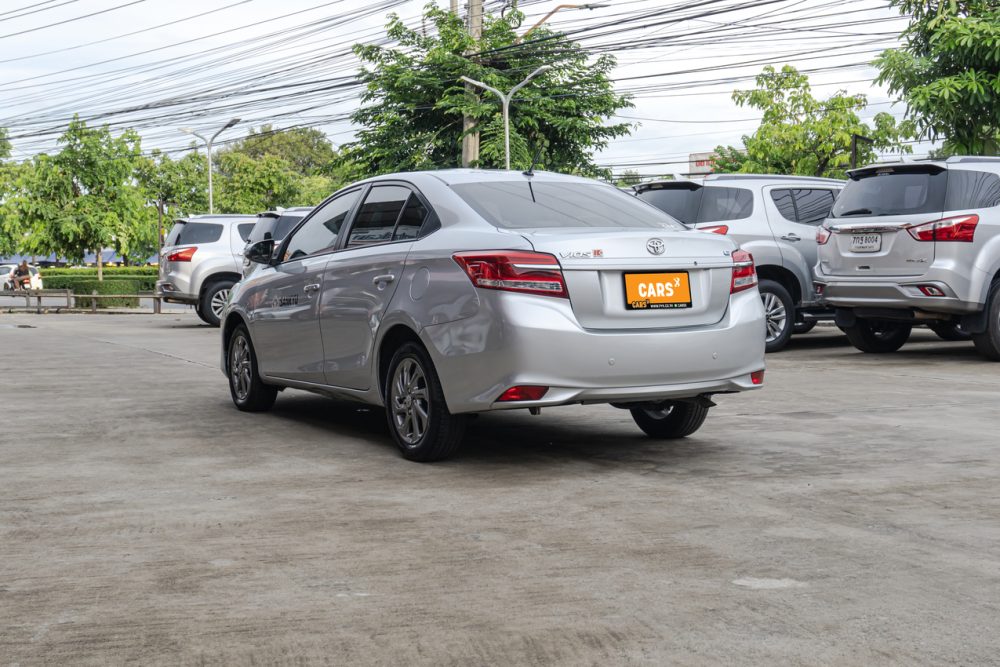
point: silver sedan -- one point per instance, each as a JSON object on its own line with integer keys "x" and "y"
{"x": 442, "y": 294}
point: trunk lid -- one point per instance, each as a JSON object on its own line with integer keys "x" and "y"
{"x": 877, "y": 246}
{"x": 595, "y": 263}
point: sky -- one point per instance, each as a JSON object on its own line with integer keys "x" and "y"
{"x": 162, "y": 65}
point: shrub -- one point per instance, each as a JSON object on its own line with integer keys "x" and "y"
{"x": 82, "y": 286}
{"x": 108, "y": 271}
{"x": 144, "y": 283}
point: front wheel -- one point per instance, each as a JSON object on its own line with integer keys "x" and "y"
{"x": 779, "y": 314}
{"x": 249, "y": 392}
{"x": 988, "y": 342}
{"x": 878, "y": 336}
{"x": 670, "y": 419}
{"x": 213, "y": 301}
{"x": 419, "y": 420}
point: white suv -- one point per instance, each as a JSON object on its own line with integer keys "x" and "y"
{"x": 201, "y": 260}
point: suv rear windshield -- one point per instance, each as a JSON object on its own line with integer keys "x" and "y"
{"x": 891, "y": 191}
{"x": 192, "y": 233}
{"x": 695, "y": 203}
{"x": 524, "y": 205}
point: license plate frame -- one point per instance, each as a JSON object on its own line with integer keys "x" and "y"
{"x": 679, "y": 281}
{"x": 866, "y": 243}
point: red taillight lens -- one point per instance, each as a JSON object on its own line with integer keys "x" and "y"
{"x": 931, "y": 290}
{"x": 523, "y": 393}
{"x": 715, "y": 229}
{"x": 822, "y": 235}
{"x": 182, "y": 255}
{"x": 744, "y": 273}
{"x": 757, "y": 377}
{"x": 514, "y": 271}
{"x": 961, "y": 229}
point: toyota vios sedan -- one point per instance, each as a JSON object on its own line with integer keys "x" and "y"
{"x": 442, "y": 294}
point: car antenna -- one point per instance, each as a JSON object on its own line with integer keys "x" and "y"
{"x": 534, "y": 161}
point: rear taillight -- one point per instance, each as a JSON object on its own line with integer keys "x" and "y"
{"x": 514, "y": 271}
{"x": 961, "y": 229}
{"x": 744, "y": 273}
{"x": 182, "y": 255}
{"x": 715, "y": 229}
{"x": 757, "y": 377}
{"x": 822, "y": 235}
{"x": 931, "y": 290}
{"x": 526, "y": 392}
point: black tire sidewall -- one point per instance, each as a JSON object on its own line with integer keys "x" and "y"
{"x": 685, "y": 419}
{"x": 205, "y": 304}
{"x": 261, "y": 396}
{"x": 773, "y": 287}
{"x": 988, "y": 342}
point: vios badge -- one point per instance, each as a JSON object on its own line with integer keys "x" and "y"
{"x": 655, "y": 246}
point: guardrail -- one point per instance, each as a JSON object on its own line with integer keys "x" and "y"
{"x": 71, "y": 298}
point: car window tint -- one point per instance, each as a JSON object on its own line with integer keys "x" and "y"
{"x": 524, "y": 205}
{"x": 377, "y": 216}
{"x": 725, "y": 204}
{"x": 972, "y": 189}
{"x": 412, "y": 219}
{"x": 680, "y": 202}
{"x": 786, "y": 206}
{"x": 813, "y": 206}
{"x": 244, "y": 230}
{"x": 886, "y": 191}
{"x": 193, "y": 233}
{"x": 320, "y": 231}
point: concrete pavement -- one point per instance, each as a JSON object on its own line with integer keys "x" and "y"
{"x": 848, "y": 513}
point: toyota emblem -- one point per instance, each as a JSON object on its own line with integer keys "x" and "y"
{"x": 655, "y": 246}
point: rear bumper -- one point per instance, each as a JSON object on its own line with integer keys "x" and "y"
{"x": 170, "y": 292}
{"x": 524, "y": 340}
{"x": 844, "y": 293}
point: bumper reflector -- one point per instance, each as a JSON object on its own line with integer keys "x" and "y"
{"x": 757, "y": 377}
{"x": 523, "y": 393}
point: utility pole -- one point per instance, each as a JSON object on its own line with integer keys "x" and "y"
{"x": 470, "y": 142}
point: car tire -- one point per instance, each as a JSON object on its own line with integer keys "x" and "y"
{"x": 804, "y": 327}
{"x": 779, "y": 314}
{"x": 418, "y": 417}
{"x": 950, "y": 331}
{"x": 878, "y": 336}
{"x": 200, "y": 313}
{"x": 988, "y": 342}
{"x": 673, "y": 419}
{"x": 213, "y": 300}
{"x": 249, "y": 392}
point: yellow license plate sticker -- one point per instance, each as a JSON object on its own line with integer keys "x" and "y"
{"x": 649, "y": 291}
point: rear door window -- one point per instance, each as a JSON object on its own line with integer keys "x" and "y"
{"x": 411, "y": 221}
{"x": 786, "y": 205}
{"x": 193, "y": 233}
{"x": 972, "y": 189}
{"x": 377, "y": 217}
{"x": 812, "y": 206}
{"x": 892, "y": 191}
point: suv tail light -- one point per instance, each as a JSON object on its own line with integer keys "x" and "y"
{"x": 182, "y": 255}
{"x": 822, "y": 235}
{"x": 514, "y": 271}
{"x": 744, "y": 273}
{"x": 961, "y": 228}
{"x": 715, "y": 229}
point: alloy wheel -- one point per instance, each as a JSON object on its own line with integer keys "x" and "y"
{"x": 219, "y": 300}
{"x": 410, "y": 401}
{"x": 239, "y": 367}
{"x": 775, "y": 315}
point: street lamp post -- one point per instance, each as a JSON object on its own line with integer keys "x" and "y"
{"x": 505, "y": 100}
{"x": 208, "y": 147}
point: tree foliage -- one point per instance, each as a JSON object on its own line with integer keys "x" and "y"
{"x": 307, "y": 150}
{"x": 414, "y": 102}
{"x": 181, "y": 184}
{"x": 250, "y": 185}
{"x": 948, "y": 72}
{"x": 800, "y": 134}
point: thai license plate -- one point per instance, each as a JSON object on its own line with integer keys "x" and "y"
{"x": 866, "y": 242}
{"x": 650, "y": 291}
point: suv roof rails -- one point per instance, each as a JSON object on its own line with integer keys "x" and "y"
{"x": 779, "y": 177}
{"x": 972, "y": 158}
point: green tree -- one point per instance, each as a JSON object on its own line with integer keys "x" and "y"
{"x": 4, "y": 143}
{"x": 628, "y": 177}
{"x": 179, "y": 183}
{"x": 307, "y": 150}
{"x": 249, "y": 185}
{"x": 800, "y": 134}
{"x": 412, "y": 108}
{"x": 948, "y": 72}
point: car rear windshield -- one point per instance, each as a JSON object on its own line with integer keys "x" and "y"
{"x": 701, "y": 204}
{"x": 193, "y": 233}
{"x": 524, "y": 205}
{"x": 891, "y": 191}
{"x": 278, "y": 229}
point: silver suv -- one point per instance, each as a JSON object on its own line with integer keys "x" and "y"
{"x": 916, "y": 243}
{"x": 774, "y": 218}
{"x": 201, "y": 260}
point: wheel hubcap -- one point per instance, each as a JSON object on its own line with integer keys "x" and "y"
{"x": 775, "y": 315}
{"x": 409, "y": 401}
{"x": 662, "y": 412}
{"x": 239, "y": 367}
{"x": 219, "y": 300}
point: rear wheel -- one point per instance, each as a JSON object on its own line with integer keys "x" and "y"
{"x": 878, "y": 336}
{"x": 671, "y": 419}
{"x": 951, "y": 331}
{"x": 419, "y": 420}
{"x": 201, "y": 314}
{"x": 988, "y": 342}
{"x": 213, "y": 301}
{"x": 804, "y": 327}
{"x": 779, "y": 314}
{"x": 249, "y": 393}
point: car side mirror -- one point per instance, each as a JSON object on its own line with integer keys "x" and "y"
{"x": 261, "y": 252}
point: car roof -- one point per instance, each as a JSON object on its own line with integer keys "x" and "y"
{"x": 459, "y": 176}
{"x": 220, "y": 218}
{"x": 724, "y": 179}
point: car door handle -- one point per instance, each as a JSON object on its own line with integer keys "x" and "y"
{"x": 308, "y": 289}
{"x": 791, "y": 237}
{"x": 384, "y": 278}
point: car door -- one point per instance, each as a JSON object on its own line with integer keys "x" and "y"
{"x": 794, "y": 214}
{"x": 362, "y": 277}
{"x": 284, "y": 299}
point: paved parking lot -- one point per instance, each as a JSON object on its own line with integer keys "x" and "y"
{"x": 849, "y": 513}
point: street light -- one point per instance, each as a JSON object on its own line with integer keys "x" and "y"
{"x": 505, "y": 99}
{"x": 208, "y": 146}
{"x": 589, "y": 5}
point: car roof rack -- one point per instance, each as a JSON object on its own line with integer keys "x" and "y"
{"x": 779, "y": 177}
{"x": 972, "y": 158}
